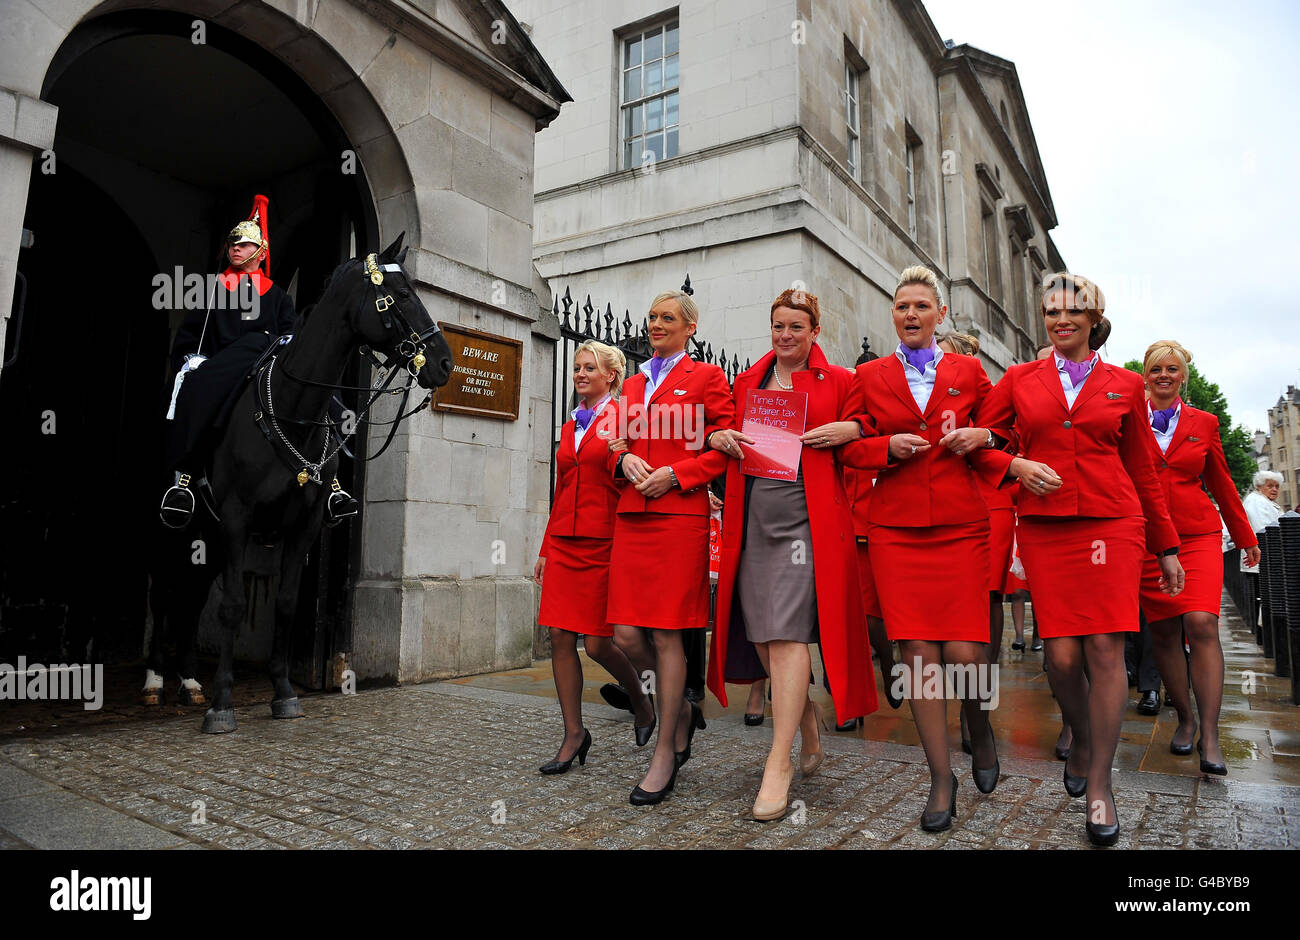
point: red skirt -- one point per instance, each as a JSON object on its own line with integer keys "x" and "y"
{"x": 575, "y": 585}
{"x": 932, "y": 580}
{"x": 659, "y": 571}
{"x": 1085, "y": 573}
{"x": 870, "y": 600}
{"x": 1002, "y": 526}
{"x": 1202, "y": 560}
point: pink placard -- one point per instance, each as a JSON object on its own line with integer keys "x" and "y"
{"x": 775, "y": 420}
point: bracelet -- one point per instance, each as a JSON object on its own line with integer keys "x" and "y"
{"x": 989, "y": 442}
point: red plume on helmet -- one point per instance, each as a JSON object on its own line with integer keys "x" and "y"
{"x": 255, "y": 229}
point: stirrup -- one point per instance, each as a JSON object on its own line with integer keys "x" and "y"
{"x": 339, "y": 506}
{"x": 177, "y": 507}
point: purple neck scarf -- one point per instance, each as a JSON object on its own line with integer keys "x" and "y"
{"x": 656, "y": 364}
{"x": 1078, "y": 371}
{"x": 1160, "y": 418}
{"x": 583, "y": 417}
{"x": 919, "y": 357}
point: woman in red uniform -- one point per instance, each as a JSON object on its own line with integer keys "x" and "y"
{"x": 1191, "y": 454}
{"x": 787, "y": 553}
{"x": 1081, "y": 425}
{"x": 659, "y": 570}
{"x": 916, "y": 408}
{"x": 573, "y": 565}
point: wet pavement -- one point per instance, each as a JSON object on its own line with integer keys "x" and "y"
{"x": 454, "y": 765}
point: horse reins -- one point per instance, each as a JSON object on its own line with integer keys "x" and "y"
{"x": 410, "y": 349}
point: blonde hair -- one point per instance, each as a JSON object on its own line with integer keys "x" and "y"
{"x": 920, "y": 274}
{"x": 962, "y": 343}
{"x": 608, "y": 359}
{"x": 690, "y": 312}
{"x": 1167, "y": 347}
{"x": 1087, "y": 295}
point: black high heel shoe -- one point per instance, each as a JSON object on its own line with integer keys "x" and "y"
{"x": 1103, "y": 835}
{"x": 1018, "y": 645}
{"x": 1075, "y": 786}
{"x": 942, "y": 819}
{"x": 851, "y": 725}
{"x": 986, "y": 779}
{"x": 643, "y": 732}
{"x": 695, "y": 721}
{"x": 1182, "y": 750}
{"x": 639, "y": 797}
{"x": 560, "y": 766}
{"x": 1220, "y": 770}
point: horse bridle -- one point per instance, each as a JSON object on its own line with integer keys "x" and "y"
{"x": 411, "y": 348}
{"x": 409, "y": 352}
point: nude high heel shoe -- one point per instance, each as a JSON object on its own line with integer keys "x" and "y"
{"x": 767, "y": 810}
{"x": 810, "y": 760}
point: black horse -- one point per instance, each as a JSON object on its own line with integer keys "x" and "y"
{"x": 271, "y": 471}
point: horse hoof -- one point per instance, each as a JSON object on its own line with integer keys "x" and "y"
{"x": 286, "y": 708}
{"x": 151, "y": 697}
{"x": 191, "y": 696}
{"x": 219, "y": 721}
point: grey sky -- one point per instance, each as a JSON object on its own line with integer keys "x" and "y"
{"x": 1169, "y": 135}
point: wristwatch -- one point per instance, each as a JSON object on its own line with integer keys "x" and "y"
{"x": 673, "y": 476}
{"x": 989, "y": 442}
{"x": 1169, "y": 551}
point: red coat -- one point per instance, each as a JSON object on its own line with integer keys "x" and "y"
{"x": 585, "y": 493}
{"x": 1102, "y": 449}
{"x": 859, "y": 484}
{"x": 1196, "y": 454}
{"x": 663, "y": 434}
{"x": 936, "y": 487}
{"x": 841, "y": 621}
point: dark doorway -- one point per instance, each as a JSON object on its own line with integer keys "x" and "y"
{"x": 160, "y": 146}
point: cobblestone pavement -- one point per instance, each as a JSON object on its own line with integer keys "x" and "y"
{"x": 454, "y": 765}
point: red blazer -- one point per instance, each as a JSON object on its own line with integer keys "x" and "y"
{"x": 585, "y": 494}
{"x": 936, "y": 487}
{"x": 841, "y": 620}
{"x": 1102, "y": 449}
{"x": 662, "y": 436}
{"x": 1196, "y": 454}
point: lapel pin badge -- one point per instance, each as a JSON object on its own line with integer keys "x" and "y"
{"x": 679, "y": 391}
{"x": 1113, "y": 395}
{"x": 1193, "y": 439}
{"x": 954, "y": 391}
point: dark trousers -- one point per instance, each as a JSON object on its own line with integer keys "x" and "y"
{"x": 1139, "y": 658}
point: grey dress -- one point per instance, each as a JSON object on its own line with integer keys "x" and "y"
{"x": 775, "y": 581}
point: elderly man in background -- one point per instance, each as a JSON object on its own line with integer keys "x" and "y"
{"x": 1262, "y": 510}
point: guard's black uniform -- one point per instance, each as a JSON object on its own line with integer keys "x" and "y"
{"x": 236, "y": 336}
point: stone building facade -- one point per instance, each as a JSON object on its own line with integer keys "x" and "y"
{"x": 1282, "y": 451}
{"x": 169, "y": 113}
{"x": 825, "y": 142}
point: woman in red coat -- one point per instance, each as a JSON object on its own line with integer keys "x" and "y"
{"x": 1081, "y": 425}
{"x": 659, "y": 570}
{"x": 573, "y": 565}
{"x": 1191, "y": 454}
{"x": 917, "y": 408}
{"x": 788, "y": 552}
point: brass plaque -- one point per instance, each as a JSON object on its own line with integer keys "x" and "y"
{"x": 487, "y": 375}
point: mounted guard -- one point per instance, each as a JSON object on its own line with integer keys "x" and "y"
{"x": 216, "y": 349}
